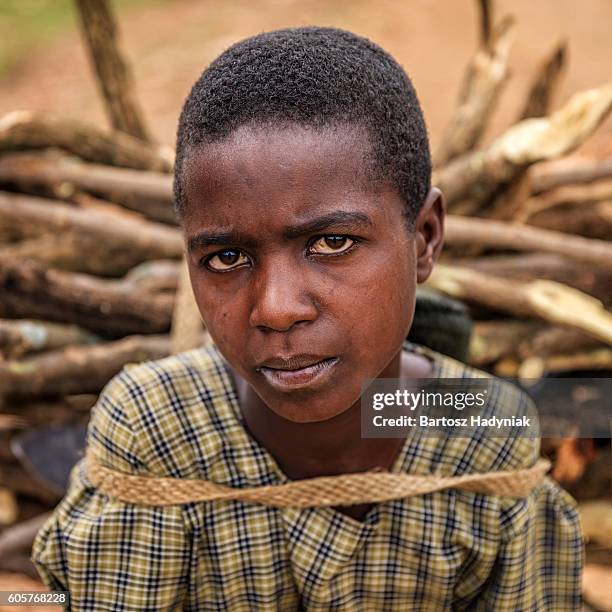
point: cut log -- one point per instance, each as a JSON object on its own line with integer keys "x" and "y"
{"x": 114, "y": 243}
{"x": 6, "y": 453}
{"x": 476, "y": 176}
{"x": 532, "y": 266}
{"x": 588, "y": 220}
{"x": 582, "y": 209}
{"x": 78, "y": 369}
{"x": 36, "y": 412}
{"x": 486, "y": 18}
{"x": 20, "y": 571}
{"x": 63, "y": 251}
{"x": 545, "y": 84}
{"x": 599, "y": 191}
{"x": 20, "y": 536}
{"x": 25, "y": 336}
{"x": 536, "y": 367}
{"x": 149, "y": 193}
{"x": 23, "y": 130}
{"x": 155, "y": 276}
{"x": 544, "y": 300}
{"x": 9, "y": 510}
{"x": 100, "y": 32}
{"x": 10, "y": 422}
{"x": 15, "y": 478}
{"x": 483, "y": 81}
{"x": 558, "y": 173}
{"x": 597, "y": 582}
{"x": 492, "y": 234}
{"x": 112, "y": 308}
{"x": 492, "y": 340}
{"x": 508, "y": 196}
{"x": 555, "y": 341}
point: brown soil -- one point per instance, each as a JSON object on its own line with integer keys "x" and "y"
{"x": 170, "y": 43}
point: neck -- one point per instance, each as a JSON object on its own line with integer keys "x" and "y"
{"x": 335, "y": 446}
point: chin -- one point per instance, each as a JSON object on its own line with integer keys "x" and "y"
{"x": 321, "y": 411}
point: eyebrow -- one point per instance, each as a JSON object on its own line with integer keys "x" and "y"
{"x": 339, "y": 219}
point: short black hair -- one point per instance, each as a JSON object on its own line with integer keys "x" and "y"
{"x": 312, "y": 76}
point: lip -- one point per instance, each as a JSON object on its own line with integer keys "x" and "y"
{"x": 297, "y": 372}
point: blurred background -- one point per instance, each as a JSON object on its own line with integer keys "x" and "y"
{"x": 90, "y": 256}
{"x": 43, "y": 64}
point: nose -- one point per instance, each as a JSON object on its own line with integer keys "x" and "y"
{"x": 281, "y": 298}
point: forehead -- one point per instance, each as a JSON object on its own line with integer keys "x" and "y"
{"x": 289, "y": 172}
{"x": 252, "y": 153}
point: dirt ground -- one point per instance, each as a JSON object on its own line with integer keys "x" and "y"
{"x": 169, "y": 44}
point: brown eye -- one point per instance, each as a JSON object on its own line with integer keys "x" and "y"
{"x": 226, "y": 260}
{"x": 331, "y": 245}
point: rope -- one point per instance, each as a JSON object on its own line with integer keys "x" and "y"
{"x": 342, "y": 490}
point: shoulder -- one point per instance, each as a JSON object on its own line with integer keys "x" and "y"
{"x": 166, "y": 417}
{"x": 485, "y": 450}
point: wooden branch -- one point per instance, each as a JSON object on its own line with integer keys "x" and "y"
{"x": 25, "y": 336}
{"x": 555, "y": 341}
{"x": 109, "y": 307}
{"x": 477, "y": 175}
{"x": 6, "y": 454}
{"x": 501, "y": 235}
{"x": 599, "y": 191}
{"x": 536, "y": 367}
{"x": 155, "y": 276}
{"x": 492, "y": 340}
{"x": 10, "y": 422}
{"x": 15, "y": 478}
{"x": 532, "y": 266}
{"x": 485, "y": 11}
{"x": 545, "y": 84}
{"x": 22, "y": 565}
{"x": 149, "y": 193}
{"x": 9, "y": 510}
{"x": 57, "y": 250}
{"x": 22, "y": 130}
{"x": 100, "y": 32}
{"x": 78, "y": 369}
{"x": 541, "y": 299}
{"x": 592, "y": 221}
{"x": 20, "y": 537}
{"x": 507, "y": 198}
{"x": 46, "y": 412}
{"x": 114, "y": 242}
{"x": 483, "y": 81}
{"x": 560, "y": 172}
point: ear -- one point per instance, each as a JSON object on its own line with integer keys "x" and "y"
{"x": 429, "y": 230}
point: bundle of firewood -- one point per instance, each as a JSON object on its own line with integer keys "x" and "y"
{"x": 90, "y": 254}
{"x": 89, "y": 264}
{"x": 527, "y": 236}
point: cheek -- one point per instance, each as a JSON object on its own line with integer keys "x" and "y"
{"x": 383, "y": 295}
{"x": 390, "y": 308}
{"x": 380, "y": 307}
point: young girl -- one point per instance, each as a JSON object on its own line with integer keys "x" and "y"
{"x": 302, "y": 185}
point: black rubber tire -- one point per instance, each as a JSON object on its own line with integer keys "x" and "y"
{"x": 441, "y": 323}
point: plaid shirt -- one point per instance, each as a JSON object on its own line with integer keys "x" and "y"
{"x": 180, "y": 417}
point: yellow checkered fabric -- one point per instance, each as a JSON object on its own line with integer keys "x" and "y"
{"x": 180, "y": 417}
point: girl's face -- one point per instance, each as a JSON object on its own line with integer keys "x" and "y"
{"x": 302, "y": 267}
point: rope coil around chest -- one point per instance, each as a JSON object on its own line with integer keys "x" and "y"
{"x": 342, "y": 490}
